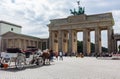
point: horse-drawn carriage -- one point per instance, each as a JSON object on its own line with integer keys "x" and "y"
{"x": 20, "y": 59}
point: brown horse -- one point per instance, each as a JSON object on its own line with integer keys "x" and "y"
{"x": 46, "y": 57}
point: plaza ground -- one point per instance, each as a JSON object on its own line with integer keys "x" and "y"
{"x": 69, "y": 68}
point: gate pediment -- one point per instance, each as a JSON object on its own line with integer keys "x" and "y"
{"x": 10, "y": 34}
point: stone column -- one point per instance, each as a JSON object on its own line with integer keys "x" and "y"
{"x": 4, "y": 44}
{"x": 30, "y": 43}
{"x": 13, "y": 41}
{"x": 50, "y": 40}
{"x": 98, "y": 49}
{"x": 56, "y": 39}
{"x": 0, "y": 43}
{"x": 10, "y": 43}
{"x": 16, "y": 43}
{"x": 41, "y": 45}
{"x": 109, "y": 39}
{"x": 24, "y": 44}
{"x": 115, "y": 44}
{"x": 70, "y": 43}
{"x": 7, "y": 45}
{"x": 60, "y": 40}
{"x": 65, "y": 42}
{"x": 112, "y": 37}
{"x": 86, "y": 42}
{"x": 34, "y": 43}
{"x": 37, "y": 43}
{"x": 19, "y": 43}
{"x": 74, "y": 41}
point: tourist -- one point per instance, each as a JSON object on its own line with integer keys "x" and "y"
{"x": 51, "y": 55}
{"x": 61, "y": 55}
{"x": 56, "y": 55}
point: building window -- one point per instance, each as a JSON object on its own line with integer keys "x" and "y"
{"x": 56, "y": 41}
{"x": 65, "y": 35}
{"x": 11, "y": 29}
{"x": 55, "y": 35}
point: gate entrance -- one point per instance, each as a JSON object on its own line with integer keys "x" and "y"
{"x": 63, "y": 32}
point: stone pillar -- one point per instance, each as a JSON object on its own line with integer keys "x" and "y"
{"x": 34, "y": 43}
{"x": 98, "y": 49}
{"x": 7, "y": 45}
{"x": 0, "y": 43}
{"x": 60, "y": 40}
{"x": 109, "y": 39}
{"x": 74, "y": 41}
{"x": 112, "y": 37}
{"x": 29, "y": 41}
{"x": 65, "y": 42}
{"x": 86, "y": 42}
{"x": 56, "y": 39}
{"x": 13, "y": 41}
{"x": 115, "y": 44}
{"x": 70, "y": 43}
{"x": 37, "y": 43}
{"x": 50, "y": 40}
{"x": 41, "y": 45}
{"x": 19, "y": 43}
{"x": 24, "y": 44}
{"x": 4, "y": 44}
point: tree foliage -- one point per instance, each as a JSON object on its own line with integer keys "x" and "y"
{"x": 80, "y": 47}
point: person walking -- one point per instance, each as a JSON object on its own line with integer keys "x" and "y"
{"x": 61, "y": 55}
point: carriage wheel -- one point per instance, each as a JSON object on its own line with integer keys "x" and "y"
{"x": 40, "y": 61}
{"x": 20, "y": 62}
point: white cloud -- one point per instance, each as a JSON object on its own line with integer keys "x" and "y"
{"x": 34, "y": 15}
{"x": 116, "y": 15}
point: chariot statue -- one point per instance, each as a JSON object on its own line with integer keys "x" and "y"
{"x": 81, "y": 10}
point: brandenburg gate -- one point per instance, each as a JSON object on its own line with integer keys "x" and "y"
{"x": 63, "y": 32}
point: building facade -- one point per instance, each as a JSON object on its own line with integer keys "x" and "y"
{"x": 6, "y": 26}
{"x": 11, "y": 37}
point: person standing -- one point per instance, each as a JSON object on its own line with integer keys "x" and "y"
{"x": 56, "y": 55}
{"x": 51, "y": 55}
{"x": 61, "y": 55}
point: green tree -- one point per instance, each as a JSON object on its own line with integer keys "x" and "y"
{"x": 80, "y": 47}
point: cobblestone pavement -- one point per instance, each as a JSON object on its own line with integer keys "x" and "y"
{"x": 69, "y": 68}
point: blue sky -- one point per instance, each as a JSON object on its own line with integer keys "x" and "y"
{"x": 34, "y": 15}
